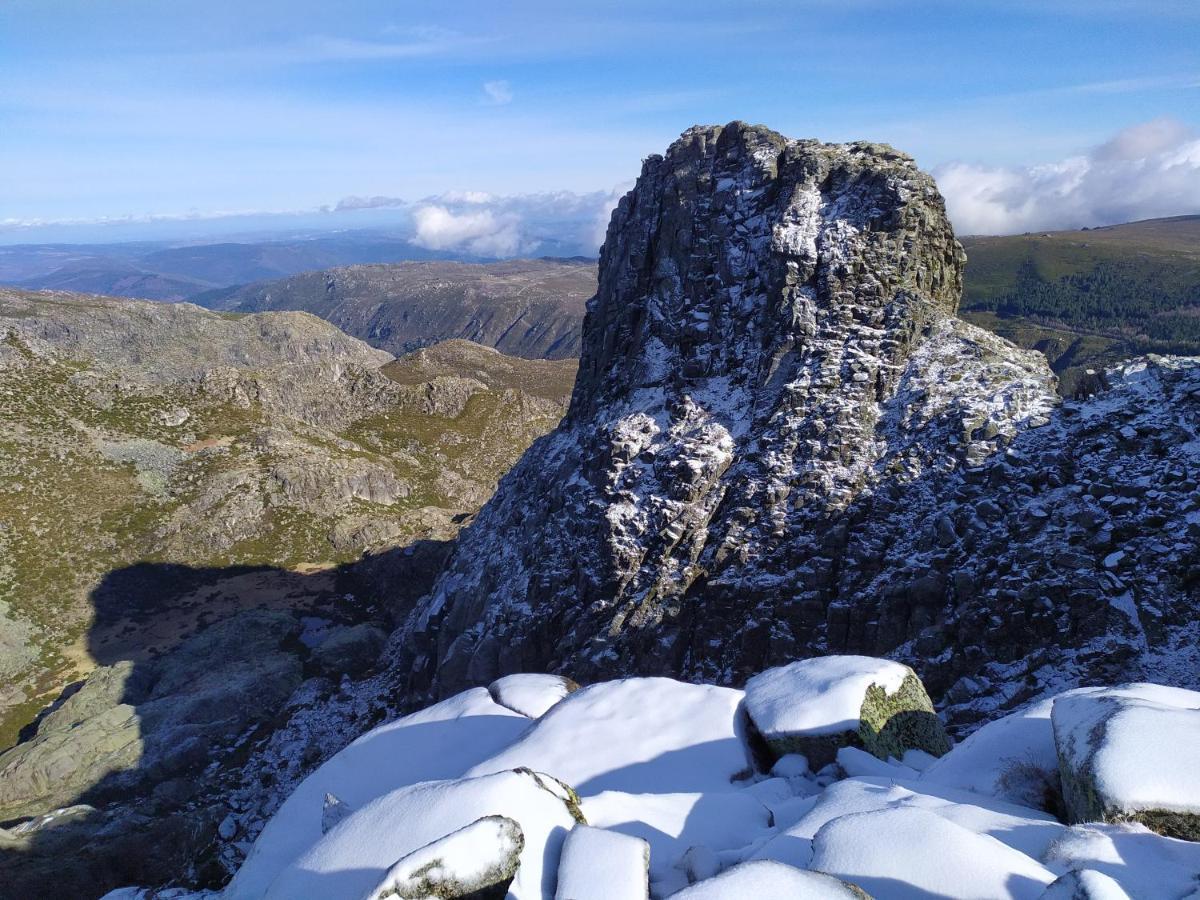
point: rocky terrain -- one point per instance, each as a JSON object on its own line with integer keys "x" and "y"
{"x": 531, "y": 308}
{"x": 783, "y": 443}
{"x": 163, "y": 466}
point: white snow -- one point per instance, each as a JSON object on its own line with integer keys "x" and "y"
{"x": 602, "y": 865}
{"x": 913, "y": 854}
{"x": 1003, "y": 758}
{"x": 823, "y": 695}
{"x": 1141, "y": 754}
{"x": 354, "y": 856}
{"x": 767, "y": 880}
{"x": 439, "y": 742}
{"x": 1145, "y": 864}
{"x": 1087, "y": 884}
{"x": 672, "y": 808}
{"x": 465, "y": 857}
{"x": 673, "y": 823}
{"x": 530, "y": 695}
{"x": 635, "y": 735}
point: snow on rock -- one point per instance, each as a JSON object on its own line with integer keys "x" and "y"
{"x": 668, "y": 806}
{"x": 354, "y": 857}
{"x": 531, "y": 694}
{"x": 1126, "y": 757}
{"x": 767, "y": 880}
{"x": 636, "y": 735}
{"x": 481, "y": 856}
{"x": 442, "y": 741}
{"x": 1085, "y": 884}
{"x": 672, "y": 824}
{"x": 1146, "y": 865}
{"x": 1025, "y": 830}
{"x": 598, "y": 864}
{"x": 814, "y": 706}
{"x": 913, "y": 854}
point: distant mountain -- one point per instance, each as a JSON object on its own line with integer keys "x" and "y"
{"x": 1089, "y": 298}
{"x": 531, "y": 308}
{"x": 172, "y": 272}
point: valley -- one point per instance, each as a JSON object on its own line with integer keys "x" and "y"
{"x": 163, "y": 466}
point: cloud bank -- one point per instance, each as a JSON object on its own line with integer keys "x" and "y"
{"x": 1143, "y": 172}
{"x": 559, "y": 223}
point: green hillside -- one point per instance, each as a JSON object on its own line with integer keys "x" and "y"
{"x": 1088, "y": 298}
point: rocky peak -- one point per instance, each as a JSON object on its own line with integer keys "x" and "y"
{"x": 745, "y": 256}
{"x": 783, "y": 443}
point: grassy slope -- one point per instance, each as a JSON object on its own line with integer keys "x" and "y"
{"x": 69, "y": 514}
{"x": 1089, "y": 298}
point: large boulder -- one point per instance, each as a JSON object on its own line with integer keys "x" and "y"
{"x": 440, "y": 742}
{"x": 354, "y": 857}
{"x": 531, "y": 694}
{"x": 1126, "y": 755}
{"x": 477, "y": 862}
{"x": 689, "y": 737}
{"x": 816, "y": 706}
{"x": 768, "y": 880}
{"x": 908, "y": 853}
{"x": 598, "y": 864}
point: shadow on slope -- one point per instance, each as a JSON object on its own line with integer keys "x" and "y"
{"x": 119, "y": 780}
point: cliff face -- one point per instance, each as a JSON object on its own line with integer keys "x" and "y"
{"x": 781, "y": 442}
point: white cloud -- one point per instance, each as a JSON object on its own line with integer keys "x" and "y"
{"x": 1145, "y": 171}
{"x": 498, "y": 92}
{"x": 481, "y": 233}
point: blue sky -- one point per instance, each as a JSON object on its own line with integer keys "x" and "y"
{"x": 134, "y": 108}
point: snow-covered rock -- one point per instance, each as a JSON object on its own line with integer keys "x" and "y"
{"x": 530, "y": 694}
{"x": 673, "y": 824}
{"x": 766, "y": 880}
{"x": 479, "y": 858}
{"x": 689, "y": 738}
{"x": 598, "y": 864}
{"x": 814, "y": 706}
{"x": 442, "y": 741}
{"x": 1125, "y": 757}
{"x": 1145, "y": 864}
{"x": 951, "y": 830}
{"x": 1085, "y": 884}
{"x": 912, "y": 854}
{"x": 355, "y": 856}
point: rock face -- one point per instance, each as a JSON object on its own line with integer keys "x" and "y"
{"x": 781, "y": 443}
{"x": 126, "y": 725}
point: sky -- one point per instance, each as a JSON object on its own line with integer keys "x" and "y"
{"x": 458, "y": 116}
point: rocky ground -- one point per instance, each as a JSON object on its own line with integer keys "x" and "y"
{"x": 162, "y": 467}
{"x": 526, "y": 307}
{"x": 782, "y": 444}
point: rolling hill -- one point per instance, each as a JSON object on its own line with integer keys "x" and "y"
{"x": 1089, "y": 298}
